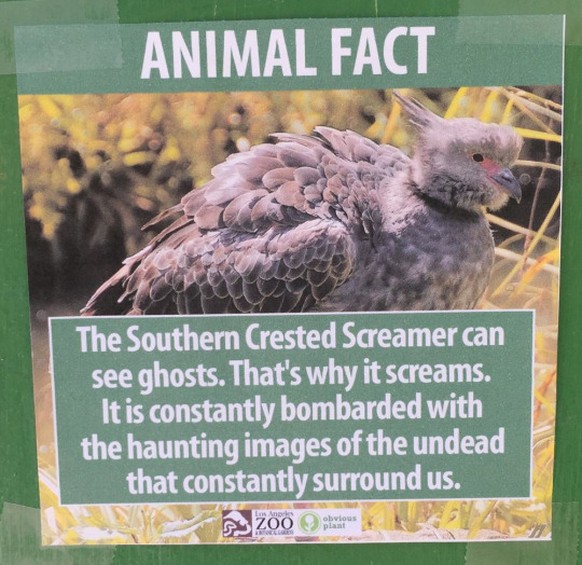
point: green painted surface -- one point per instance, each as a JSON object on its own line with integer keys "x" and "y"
{"x": 123, "y": 385}
{"x": 290, "y": 54}
{"x": 18, "y": 466}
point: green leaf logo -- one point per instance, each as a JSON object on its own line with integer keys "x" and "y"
{"x": 309, "y": 523}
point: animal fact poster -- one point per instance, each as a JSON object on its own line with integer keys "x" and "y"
{"x": 293, "y": 281}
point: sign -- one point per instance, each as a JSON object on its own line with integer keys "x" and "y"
{"x": 320, "y": 339}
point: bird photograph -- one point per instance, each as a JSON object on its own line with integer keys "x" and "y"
{"x": 207, "y": 203}
{"x": 196, "y": 203}
{"x": 330, "y": 222}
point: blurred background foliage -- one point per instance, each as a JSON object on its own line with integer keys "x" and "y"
{"x": 97, "y": 167}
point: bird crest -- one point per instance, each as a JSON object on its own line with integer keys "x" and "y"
{"x": 418, "y": 115}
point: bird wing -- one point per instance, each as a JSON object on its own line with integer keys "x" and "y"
{"x": 277, "y": 229}
{"x": 328, "y": 175}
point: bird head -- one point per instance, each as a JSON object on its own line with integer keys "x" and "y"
{"x": 462, "y": 162}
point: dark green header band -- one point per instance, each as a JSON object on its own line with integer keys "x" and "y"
{"x": 290, "y": 54}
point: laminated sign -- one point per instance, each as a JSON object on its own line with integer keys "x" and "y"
{"x": 295, "y": 280}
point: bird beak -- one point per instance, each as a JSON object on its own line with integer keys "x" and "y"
{"x": 505, "y": 179}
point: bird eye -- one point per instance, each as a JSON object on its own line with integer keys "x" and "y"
{"x": 477, "y": 157}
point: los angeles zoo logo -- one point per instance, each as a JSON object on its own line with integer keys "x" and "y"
{"x": 259, "y": 523}
{"x": 237, "y": 523}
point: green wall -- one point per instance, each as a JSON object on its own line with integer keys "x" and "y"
{"x": 18, "y": 483}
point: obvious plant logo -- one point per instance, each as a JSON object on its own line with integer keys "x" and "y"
{"x": 309, "y": 523}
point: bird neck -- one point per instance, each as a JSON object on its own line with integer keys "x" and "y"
{"x": 441, "y": 196}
